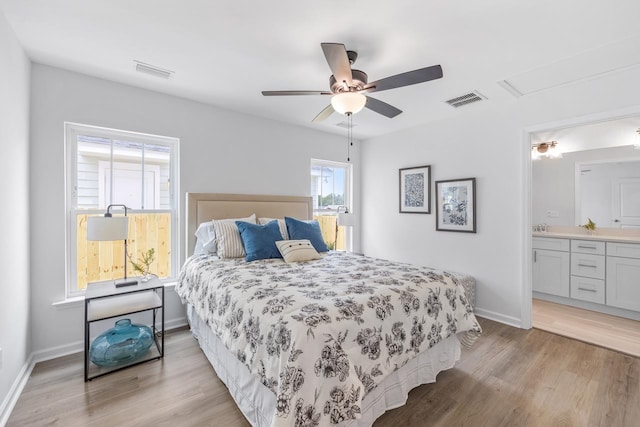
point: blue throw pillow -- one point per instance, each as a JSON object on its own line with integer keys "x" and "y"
{"x": 259, "y": 241}
{"x": 310, "y": 230}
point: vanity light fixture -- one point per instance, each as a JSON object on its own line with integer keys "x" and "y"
{"x": 548, "y": 150}
{"x": 636, "y": 145}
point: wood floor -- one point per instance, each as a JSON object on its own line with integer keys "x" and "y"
{"x": 616, "y": 333}
{"x": 511, "y": 377}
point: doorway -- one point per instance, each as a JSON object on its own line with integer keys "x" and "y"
{"x": 575, "y": 321}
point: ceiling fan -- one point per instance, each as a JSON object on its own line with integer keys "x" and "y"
{"x": 348, "y": 87}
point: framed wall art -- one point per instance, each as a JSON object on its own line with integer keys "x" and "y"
{"x": 415, "y": 190}
{"x": 456, "y": 205}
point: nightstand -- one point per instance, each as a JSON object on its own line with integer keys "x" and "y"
{"x": 103, "y": 301}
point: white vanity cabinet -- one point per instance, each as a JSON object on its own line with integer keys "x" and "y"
{"x": 595, "y": 274}
{"x": 623, "y": 275}
{"x": 588, "y": 271}
{"x": 551, "y": 266}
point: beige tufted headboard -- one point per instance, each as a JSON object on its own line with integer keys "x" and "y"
{"x": 202, "y": 207}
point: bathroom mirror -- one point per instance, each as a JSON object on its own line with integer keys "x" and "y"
{"x": 580, "y": 185}
{"x": 608, "y": 193}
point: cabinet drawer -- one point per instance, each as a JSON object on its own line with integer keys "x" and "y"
{"x": 551, "y": 244}
{"x": 587, "y": 289}
{"x": 588, "y": 247}
{"x": 626, "y": 250}
{"x": 586, "y": 265}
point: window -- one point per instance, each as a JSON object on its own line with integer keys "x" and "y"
{"x": 331, "y": 189}
{"x": 108, "y": 166}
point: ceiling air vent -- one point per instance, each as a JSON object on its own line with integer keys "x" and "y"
{"x": 152, "y": 70}
{"x": 465, "y": 99}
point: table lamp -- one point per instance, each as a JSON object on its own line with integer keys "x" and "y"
{"x": 109, "y": 228}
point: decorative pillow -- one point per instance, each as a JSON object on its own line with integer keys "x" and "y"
{"x": 309, "y": 230}
{"x": 260, "y": 240}
{"x": 281, "y": 224}
{"x": 228, "y": 237}
{"x": 229, "y": 245}
{"x": 297, "y": 250}
{"x": 206, "y": 235}
{"x": 205, "y": 239}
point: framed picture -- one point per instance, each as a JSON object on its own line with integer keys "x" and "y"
{"x": 415, "y": 190}
{"x": 456, "y": 205}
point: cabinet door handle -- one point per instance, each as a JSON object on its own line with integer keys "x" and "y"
{"x": 587, "y": 265}
{"x": 535, "y": 256}
{"x": 587, "y": 247}
{"x": 586, "y": 289}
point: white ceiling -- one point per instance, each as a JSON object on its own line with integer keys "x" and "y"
{"x": 226, "y": 52}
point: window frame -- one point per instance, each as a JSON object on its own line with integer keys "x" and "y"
{"x": 348, "y": 196}
{"x": 71, "y": 132}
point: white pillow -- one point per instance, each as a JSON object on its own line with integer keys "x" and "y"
{"x": 206, "y": 235}
{"x": 281, "y": 225}
{"x": 297, "y": 250}
{"x": 205, "y": 239}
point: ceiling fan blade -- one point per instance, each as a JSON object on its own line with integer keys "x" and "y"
{"x": 383, "y": 108}
{"x": 406, "y": 79}
{"x": 336, "y": 55}
{"x": 324, "y": 114}
{"x": 294, "y": 92}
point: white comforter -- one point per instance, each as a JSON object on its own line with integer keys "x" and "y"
{"x": 322, "y": 334}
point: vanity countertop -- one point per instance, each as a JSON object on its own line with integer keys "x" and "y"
{"x": 586, "y": 236}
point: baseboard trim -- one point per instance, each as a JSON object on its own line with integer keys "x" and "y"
{"x": 78, "y": 346}
{"x": 498, "y": 317}
{"x": 53, "y": 353}
{"x": 175, "y": 323}
{"x": 16, "y": 390}
{"x": 58, "y": 351}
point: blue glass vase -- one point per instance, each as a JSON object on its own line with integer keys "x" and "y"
{"x": 123, "y": 343}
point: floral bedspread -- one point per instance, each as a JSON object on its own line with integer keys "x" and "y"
{"x": 324, "y": 333}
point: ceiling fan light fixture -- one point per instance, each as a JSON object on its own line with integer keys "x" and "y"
{"x": 348, "y": 102}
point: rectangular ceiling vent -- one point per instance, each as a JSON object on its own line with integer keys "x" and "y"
{"x": 465, "y": 99}
{"x": 345, "y": 125}
{"x": 152, "y": 70}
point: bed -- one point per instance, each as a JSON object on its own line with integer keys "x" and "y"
{"x": 334, "y": 341}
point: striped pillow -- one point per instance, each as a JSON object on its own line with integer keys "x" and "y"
{"x": 228, "y": 239}
{"x": 297, "y": 250}
{"x": 281, "y": 225}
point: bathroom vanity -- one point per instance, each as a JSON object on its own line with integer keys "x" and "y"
{"x": 598, "y": 272}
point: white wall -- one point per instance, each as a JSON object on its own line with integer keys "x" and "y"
{"x": 487, "y": 142}
{"x": 553, "y": 183}
{"x": 220, "y": 151}
{"x": 14, "y": 216}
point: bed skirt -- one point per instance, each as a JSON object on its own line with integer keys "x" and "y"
{"x": 258, "y": 403}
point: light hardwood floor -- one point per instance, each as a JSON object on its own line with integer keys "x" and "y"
{"x": 616, "y": 333}
{"x": 511, "y": 377}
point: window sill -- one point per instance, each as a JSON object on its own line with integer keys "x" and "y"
{"x": 77, "y": 302}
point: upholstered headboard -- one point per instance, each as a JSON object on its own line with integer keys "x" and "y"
{"x": 202, "y": 207}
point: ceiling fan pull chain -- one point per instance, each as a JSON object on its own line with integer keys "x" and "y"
{"x": 349, "y": 133}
